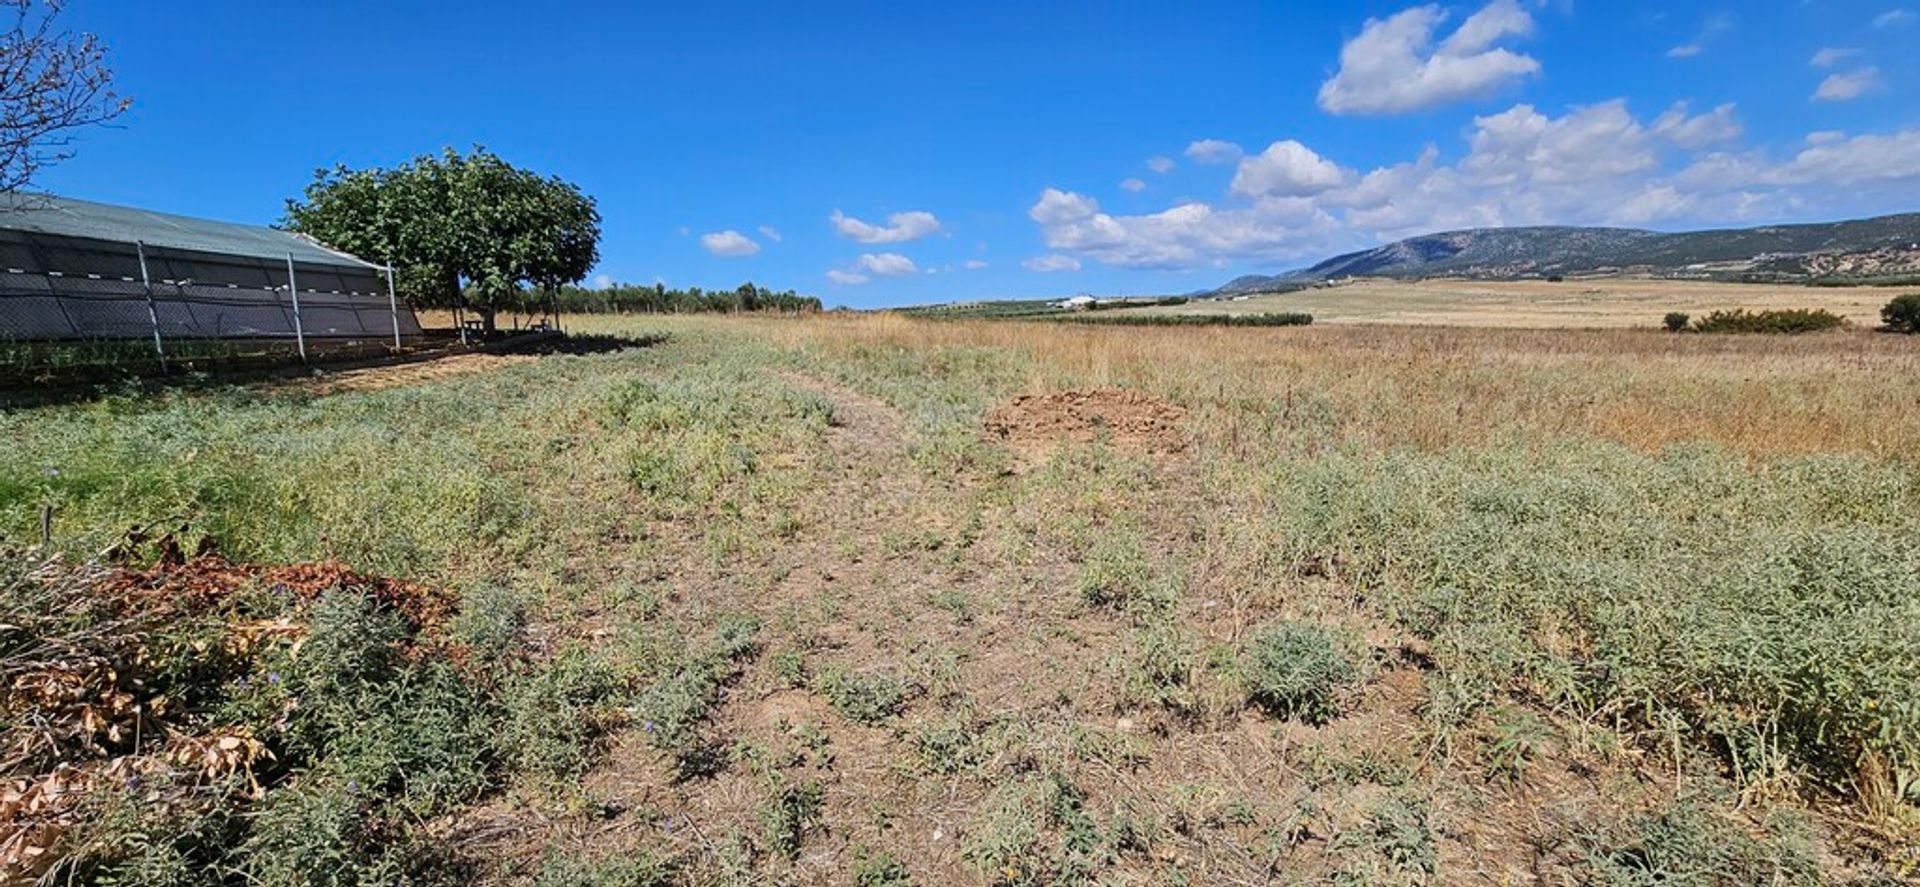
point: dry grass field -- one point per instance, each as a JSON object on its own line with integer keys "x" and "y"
{"x": 1597, "y": 303}
{"x": 869, "y": 600}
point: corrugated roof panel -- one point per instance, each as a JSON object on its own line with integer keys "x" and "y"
{"x": 65, "y": 216}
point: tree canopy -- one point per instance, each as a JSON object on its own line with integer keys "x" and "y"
{"x": 621, "y": 298}
{"x": 456, "y": 225}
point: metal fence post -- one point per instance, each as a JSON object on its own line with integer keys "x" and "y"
{"x": 393, "y": 305}
{"x": 299, "y": 334}
{"x": 146, "y": 285}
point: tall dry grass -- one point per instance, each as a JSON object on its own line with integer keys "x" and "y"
{"x": 1435, "y": 387}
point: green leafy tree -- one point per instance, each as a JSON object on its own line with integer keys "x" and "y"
{"x": 1902, "y": 315}
{"x": 459, "y": 228}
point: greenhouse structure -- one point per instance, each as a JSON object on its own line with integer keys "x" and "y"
{"x": 75, "y": 270}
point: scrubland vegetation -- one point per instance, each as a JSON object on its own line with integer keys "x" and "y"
{"x": 761, "y": 603}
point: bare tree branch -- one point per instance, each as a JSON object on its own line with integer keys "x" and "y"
{"x": 52, "y": 82}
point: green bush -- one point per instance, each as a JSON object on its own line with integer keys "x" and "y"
{"x": 632, "y": 868}
{"x": 788, "y": 813}
{"x": 1676, "y": 321}
{"x": 1686, "y": 846}
{"x": 1792, "y": 320}
{"x": 868, "y": 697}
{"x": 1902, "y": 315}
{"x": 1301, "y": 669}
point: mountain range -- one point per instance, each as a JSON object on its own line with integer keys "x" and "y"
{"x": 1886, "y": 248}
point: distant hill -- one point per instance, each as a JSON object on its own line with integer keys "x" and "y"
{"x": 1861, "y": 251}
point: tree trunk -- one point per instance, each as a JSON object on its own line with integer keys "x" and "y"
{"x": 487, "y": 324}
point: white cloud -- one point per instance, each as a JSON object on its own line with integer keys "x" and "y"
{"x": 1213, "y": 152}
{"x": 1714, "y": 27}
{"x": 847, "y": 278}
{"x": 1393, "y": 67}
{"x": 1285, "y": 169}
{"x": 729, "y": 243}
{"x": 1051, "y": 262}
{"x": 1894, "y": 18}
{"x": 1829, "y": 56}
{"x": 973, "y": 264}
{"x": 900, "y": 227}
{"x": 770, "y": 233}
{"x": 1713, "y": 127}
{"x": 885, "y": 264}
{"x": 1182, "y": 236}
{"x": 1837, "y": 159}
{"x": 1134, "y": 185}
{"x": 601, "y": 281}
{"x": 1590, "y": 165}
{"x": 1592, "y": 142}
{"x": 1160, "y": 164}
{"x": 1848, "y": 86}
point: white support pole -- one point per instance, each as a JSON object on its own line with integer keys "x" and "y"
{"x": 153, "y": 314}
{"x": 293, "y": 287}
{"x": 393, "y": 305}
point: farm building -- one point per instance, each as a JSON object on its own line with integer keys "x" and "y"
{"x": 76, "y": 270}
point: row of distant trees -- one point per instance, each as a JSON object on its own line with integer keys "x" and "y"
{"x": 623, "y": 298}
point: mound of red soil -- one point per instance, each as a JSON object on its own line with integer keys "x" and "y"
{"x": 1122, "y": 418}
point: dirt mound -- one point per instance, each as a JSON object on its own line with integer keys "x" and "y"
{"x": 198, "y": 584}
{"x": 1126, "y": 419}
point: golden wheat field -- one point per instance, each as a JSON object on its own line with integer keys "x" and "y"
{"x": 1581, "y": 303}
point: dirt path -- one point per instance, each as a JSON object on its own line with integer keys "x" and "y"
{"x": 419, "y": 373}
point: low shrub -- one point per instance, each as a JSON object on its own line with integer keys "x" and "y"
{"x": 1301, "y": 669}
{"x": 1902, "y": 315}
{"x": 1676, "y": 321}
{"x": 868, "y": 697}
{"x": 1791, "y": 320}
{"x": 632, "y": 868}
{"x": 789, "y": 812}
{"x": 1685, "y": 846}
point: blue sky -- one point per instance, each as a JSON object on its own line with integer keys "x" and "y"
{"x": 894, "y": 153}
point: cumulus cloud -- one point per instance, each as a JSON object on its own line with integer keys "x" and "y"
{"x": 1698, "y": 131}
{"x": 1161, "y": 165}
{"x": 1051, "y": 262}
{"x": 770, "y": 233}
{"x": 1214, "y": 152}
{"x": 1394, "y": 66}
{"x": 1848, "y": 86}
{"x": 885, "y": 264}
{"x": 1179, "y": 237}
{"x": 1894, "y": 18}
{"x": 601, "y": 281}
{"x": 847, "y": 278}
{"x": 1588, "y": 165}
{"x": 1285, "y": 169}
{"x": 1134, "y": 185}
{"x": 900, "y": 227}
{"x": 973, "y": 264}
{"x": 729, "y": 243}
{"x": 1837, "y": 159}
